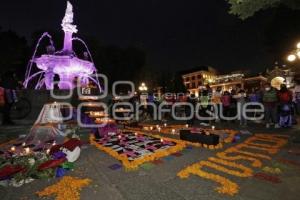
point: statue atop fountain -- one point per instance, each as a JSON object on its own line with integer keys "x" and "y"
{"x": 63, "y": 63}
{"x": 68, "y": 28}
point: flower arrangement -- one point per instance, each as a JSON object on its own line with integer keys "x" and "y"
{"x": 67, "y": 188}
{"x": 226, "y": 158}
{"x": 133, "y": 165}
{"x": 19, "y": 168}
{"x": 227, "y": 187}
{"x": 255, "y": 162}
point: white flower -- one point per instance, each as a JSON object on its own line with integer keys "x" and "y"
{"x": 31, "y": 161}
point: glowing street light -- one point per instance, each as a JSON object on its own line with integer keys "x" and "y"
{"x": 143, "y": 87}
{"x": 295, "y": 53}
{"x": 298, "y": 53}
{"x": 291, "y": 58}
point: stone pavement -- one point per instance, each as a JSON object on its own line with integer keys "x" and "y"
{"x": 160, "y": 181}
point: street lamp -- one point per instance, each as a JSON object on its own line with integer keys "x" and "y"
{"x": 143, "y": 87}
{"x": 291, "y": 58}
{"x": 296, "y": 53}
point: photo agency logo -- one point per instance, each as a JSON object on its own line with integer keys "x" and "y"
{"x": 80, "y": 101}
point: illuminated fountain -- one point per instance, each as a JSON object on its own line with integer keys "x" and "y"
{"x": 63, "y": 63}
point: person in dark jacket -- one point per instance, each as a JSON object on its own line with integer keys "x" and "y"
{"x": 270, "y": 101}
{"x": 9, "y": 83}
{"x": 191, "y": 98}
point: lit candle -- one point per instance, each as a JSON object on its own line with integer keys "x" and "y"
{"x": 159, "y": 129}
{"x": 27, "y": 150}
{"x": 120, "y": 137}
{"x": 165, "y": 124}
{"x": 173, "y": 131}
{"x": 13, "y": 148}
{"x": 151, "y": 128}
{"x": 186, "y": 125}
{"x": 47, "y": 151}
{"x": 24, "y": 144}
{"x": 162, "y": 140}
{"x": 213, "y": 127}
{"x": 136, "y": 134}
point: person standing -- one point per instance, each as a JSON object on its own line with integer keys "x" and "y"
{"x": 270, "y": 101}
{"x": 216, "y": 100}
{"x": 241, "y": 97}
{"x": 226, "y": 101}
{"x": 9, "y": 84}
{"x": 285, "y": 109}
{"x": 255, "y": 98}
{"x": 204, "y": 100}
{"x": 191, "y": 99}
{"x": 296, "y": 95}
{"x": 233, "y": 104}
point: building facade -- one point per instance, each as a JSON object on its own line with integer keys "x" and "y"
{"x": 193, "y": 80}
{"x": 197, "y": 77}
{"x": 238, "y": 81}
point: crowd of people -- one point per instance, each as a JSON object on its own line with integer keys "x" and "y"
{"x": 279, "y": 107}
{"x": 276, "y": 108}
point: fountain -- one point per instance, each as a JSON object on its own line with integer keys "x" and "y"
{"x": 63, "y": 63}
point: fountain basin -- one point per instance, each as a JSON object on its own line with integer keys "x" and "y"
{"x": 64, "y": 64}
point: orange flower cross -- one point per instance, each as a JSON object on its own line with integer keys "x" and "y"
{"x": 67, "y": 188}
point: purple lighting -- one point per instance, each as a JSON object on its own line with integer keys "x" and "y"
{"x": 64, "y": 63}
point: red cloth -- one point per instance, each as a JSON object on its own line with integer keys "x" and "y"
{"x": 72, "y": 144}
{"x": 10, "y": 170}
{"x": 55, "y": 149}
{"x": 51, "y": 164}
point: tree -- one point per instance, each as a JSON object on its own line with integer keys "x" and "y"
{"x": 13, "y": 52}
{"x": 247, "y": 8}
{"x": 176, "y": 84}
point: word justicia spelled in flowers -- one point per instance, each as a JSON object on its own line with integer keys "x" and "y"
{"x": 269, "y": 144}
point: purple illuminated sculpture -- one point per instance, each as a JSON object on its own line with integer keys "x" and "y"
{"x": 64, "y": 63}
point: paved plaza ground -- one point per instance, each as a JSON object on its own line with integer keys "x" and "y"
{"x": 160, "y": 181}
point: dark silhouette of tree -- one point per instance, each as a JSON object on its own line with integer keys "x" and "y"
{"x": 247, "y": 8}
{"x": 121, "y": 63}
{"x": 13, "y": 52}
{"x": 175, "y": 84}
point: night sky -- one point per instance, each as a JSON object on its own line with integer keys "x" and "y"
{"x": 175, "y": 34}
